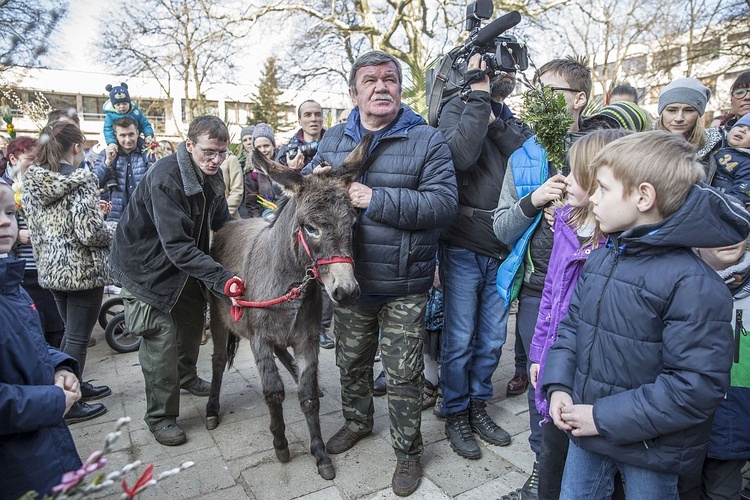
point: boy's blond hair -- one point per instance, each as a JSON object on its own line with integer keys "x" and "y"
{"x": 663, "y": 159}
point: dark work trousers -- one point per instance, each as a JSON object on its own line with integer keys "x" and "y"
{"x": 169, "y": 349}
{"x": 80, "y": 312}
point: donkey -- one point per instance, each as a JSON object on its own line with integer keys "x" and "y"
{"x": 311, "y": 237}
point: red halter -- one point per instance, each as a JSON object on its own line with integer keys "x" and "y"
{"x": 237, "y": 310}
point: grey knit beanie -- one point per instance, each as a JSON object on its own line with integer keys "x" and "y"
{"x": 247, "y": 131}
{"x": 685, "y": 91}
{"x": 264, "y": 130}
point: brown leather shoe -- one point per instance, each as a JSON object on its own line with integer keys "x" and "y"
{"x": 517, "y": 385}
{"x": 406, "y": 477}
{"x": 344, "y": 440}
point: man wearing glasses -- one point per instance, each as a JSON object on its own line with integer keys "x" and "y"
{"x": 160, "y": 255}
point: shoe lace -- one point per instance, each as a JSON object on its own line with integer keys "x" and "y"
{"x": 405, "y": 467}
{"x": 534, "y": 476}
{"x": 483, "y": 418}
{"x": 464, "y": 429}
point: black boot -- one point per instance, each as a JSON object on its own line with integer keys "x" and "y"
{"x": 482, "y": 424}
{"x": 460, "y": 437}
{"x": 379, "y": 386}
{"x": 80, "y": 412}
{"x": 530, "y": 490}
{"x": 92, "y": 392}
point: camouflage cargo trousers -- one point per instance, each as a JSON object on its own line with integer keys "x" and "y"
{"x": 400, "y": 321}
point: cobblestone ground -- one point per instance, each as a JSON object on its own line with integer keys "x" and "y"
{"x": 237, "y": 461}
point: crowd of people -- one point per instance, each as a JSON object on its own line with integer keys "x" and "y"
{"x": 627, "y": 268}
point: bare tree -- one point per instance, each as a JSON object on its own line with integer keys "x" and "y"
{"x": 648, "y": 39}
{"x": 26, "y": 26}
{"x": 414, "y": 31}
{"x": 188, "y": 40}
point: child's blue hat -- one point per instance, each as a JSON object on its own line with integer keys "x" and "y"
{"x": 745, "y": 120}
{"x": 118, "y": 94}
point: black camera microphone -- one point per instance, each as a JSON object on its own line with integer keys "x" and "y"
{"x": 493, "y": 30}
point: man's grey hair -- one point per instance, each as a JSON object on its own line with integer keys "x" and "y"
{"x": 373, "y": 58}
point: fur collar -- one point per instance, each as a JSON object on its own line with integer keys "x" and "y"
{"x": 190, "y": 181}
{"x": 47, "y": 187}
{"x": 741, "y": 268}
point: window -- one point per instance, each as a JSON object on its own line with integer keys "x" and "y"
{"x": 665, "y": 60}
{"x": 61, "y": 101}
{"x": 92, "y": 107}
{"x": 155, "y": 111}
{"x": 634, "y": 65}
{"x": 204, "y": 108}
{"x": 702, "y": 52}
{"x": 237, "y": 112}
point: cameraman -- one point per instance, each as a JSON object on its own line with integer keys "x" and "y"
{"x": 303, "y": 146}
{"x": 481, "y": 133}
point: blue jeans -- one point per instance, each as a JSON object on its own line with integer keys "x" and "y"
{"x": 474, "y": 329}
{"x": 590, "y": 476}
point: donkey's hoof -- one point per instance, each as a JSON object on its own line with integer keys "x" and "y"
{"x": 282, "y": 454}
{"x": 212, "y": 422}
{"x": 326, "y": 471}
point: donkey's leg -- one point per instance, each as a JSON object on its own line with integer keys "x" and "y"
{"x": 307, "y": 360}
{"x": 273, "y": 392}
{"x": 219, "y": 338}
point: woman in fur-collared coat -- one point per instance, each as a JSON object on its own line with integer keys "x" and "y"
{"x": 71, "y": 244}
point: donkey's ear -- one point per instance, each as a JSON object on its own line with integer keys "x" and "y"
{"x": 289, "y": 179}
{"x": 353, "y": 164}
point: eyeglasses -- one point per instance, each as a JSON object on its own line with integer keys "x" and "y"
{"x": 740, "y": 93}
{"x": 557, "y": 89}
{"x": 210, "y": 154}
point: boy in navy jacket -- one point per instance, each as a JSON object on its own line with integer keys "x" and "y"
{"x": 643, "y": 357}
{"x": 38, "y": 384}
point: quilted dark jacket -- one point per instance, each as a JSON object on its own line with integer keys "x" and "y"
{"x": 648, "y": 338}
{"x": 36, "y": 447}
{"x": 162, "y": 239}
{"x": 413, "y": 198}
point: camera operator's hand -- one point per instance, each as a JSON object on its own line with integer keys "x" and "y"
{"x": 476, "y": 62}
{"x": 297, "y": 162}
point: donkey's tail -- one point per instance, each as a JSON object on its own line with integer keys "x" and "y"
{"x": 232, "y": 342}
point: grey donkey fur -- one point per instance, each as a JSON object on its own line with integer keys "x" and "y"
{"x": 269, "y": 259}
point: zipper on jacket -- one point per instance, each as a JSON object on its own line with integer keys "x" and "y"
{"x": 616, "y": 262}
{"x": 200, "y": 230}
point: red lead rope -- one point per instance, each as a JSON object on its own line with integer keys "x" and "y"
{"x": 237, "y": 310}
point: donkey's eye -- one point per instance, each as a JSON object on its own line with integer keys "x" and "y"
{"x": 311, "y": 230}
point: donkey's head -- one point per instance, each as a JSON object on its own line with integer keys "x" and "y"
{"x": 320, "y": 216}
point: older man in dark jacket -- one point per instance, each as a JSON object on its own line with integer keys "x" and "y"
{"x": 405, "y": 197}
{"x": 160, "y": 255}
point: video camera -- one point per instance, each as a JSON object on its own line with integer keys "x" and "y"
{"x": 501, "y": 54}
{"x": 308, "y": 149}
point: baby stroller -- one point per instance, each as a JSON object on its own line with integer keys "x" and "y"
{"x": 112, "y": 319}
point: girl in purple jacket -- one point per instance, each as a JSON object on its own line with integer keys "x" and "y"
{"x": 576, "y": 234}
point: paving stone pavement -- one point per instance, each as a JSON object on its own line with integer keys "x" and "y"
{"x": 237, "y": 461}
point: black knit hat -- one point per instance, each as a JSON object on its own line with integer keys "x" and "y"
{"x": 118, "y": 94}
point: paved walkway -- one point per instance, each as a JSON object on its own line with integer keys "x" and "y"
{"x": 237, "y": 461}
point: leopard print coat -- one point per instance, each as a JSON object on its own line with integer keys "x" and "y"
{"x": 70, "y": 237}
